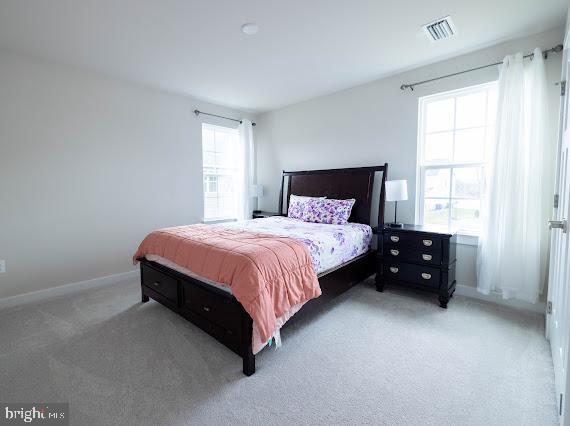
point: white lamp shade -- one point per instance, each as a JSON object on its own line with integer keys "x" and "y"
{"x": 256, "y": 191}
{"x": 396, "y": 190}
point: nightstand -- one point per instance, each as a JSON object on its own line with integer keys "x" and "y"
{"x": 257, "y": 214}
{"x": 417, "y": 257}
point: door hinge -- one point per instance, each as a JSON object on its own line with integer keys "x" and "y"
{"x": 555, "y": 201}
{"x": 563, "y": 88}
{"x": 549, "y": 307}
{"x": 560, "y": 409}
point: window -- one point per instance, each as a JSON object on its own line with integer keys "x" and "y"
{"x": 455, "y": 129}
{"x": 220, "y": 169}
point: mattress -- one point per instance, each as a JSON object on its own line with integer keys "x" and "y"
{"x": 329, "y": 245}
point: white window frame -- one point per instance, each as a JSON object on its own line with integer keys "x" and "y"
{"x": 466, "y": 236}
{"x": 205, "y": 219}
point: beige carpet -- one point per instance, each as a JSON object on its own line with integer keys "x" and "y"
{"x": 370, "y": 358}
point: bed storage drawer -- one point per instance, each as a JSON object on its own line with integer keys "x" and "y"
{"x": 160, "y": 282}
{"x": 212, "y": 306}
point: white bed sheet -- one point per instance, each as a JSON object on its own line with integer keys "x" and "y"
{"x": 329, "y": 245}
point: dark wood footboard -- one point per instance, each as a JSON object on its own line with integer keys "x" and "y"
{"x": 213, "y": 309}
{"x": 218, "y": 313}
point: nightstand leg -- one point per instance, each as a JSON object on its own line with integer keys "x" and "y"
{"x": 443, "y": 300}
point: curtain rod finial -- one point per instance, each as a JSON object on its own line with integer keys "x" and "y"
{"x": 196, "y": 112}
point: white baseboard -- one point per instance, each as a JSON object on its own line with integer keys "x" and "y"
{"x": 48, "y": 293}
{"x": 464, "y": 290}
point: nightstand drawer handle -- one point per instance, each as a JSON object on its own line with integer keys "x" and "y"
{"x": 427, "y": 243}
{"x": 156, "y": 284}
{"x": 426, "y": 276}
{"x": 395, "y": 238}
{"x": 426, "y": 256}
{"x": 393, "y": 269}
{"x": 394, "y": 252}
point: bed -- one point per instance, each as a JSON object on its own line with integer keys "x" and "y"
{"x": 216, "y": 310}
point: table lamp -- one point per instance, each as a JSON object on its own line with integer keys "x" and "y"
{"x": 396, "y": 190}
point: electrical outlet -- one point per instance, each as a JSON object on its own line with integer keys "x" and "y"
{"x": 2, "y": 266}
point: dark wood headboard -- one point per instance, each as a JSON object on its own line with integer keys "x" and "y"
{"x": 357, "y": 183}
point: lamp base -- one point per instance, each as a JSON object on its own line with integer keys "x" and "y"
{"x": 395, "y": 225}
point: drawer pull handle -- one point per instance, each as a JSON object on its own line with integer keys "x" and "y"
{"x": 394, "y": 252}
{"x": 206, "y": 308}
{"x": 426, "y": 256}
{"x": 393, "y": 269}
{"x": 427, "y": 243}
{"x": 156, "y": 284}
{"x": 426, "y": 276}
{"x": 395, "y": 238}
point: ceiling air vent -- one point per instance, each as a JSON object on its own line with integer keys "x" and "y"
{"x": 440, "y": 29}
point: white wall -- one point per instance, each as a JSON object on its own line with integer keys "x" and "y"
{"x": 88, "y": 166}
{"x": 376, "y": 123}
{"x": 568, "y": 19}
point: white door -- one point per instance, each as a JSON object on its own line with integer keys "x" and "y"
{"x": 558, "y": 320}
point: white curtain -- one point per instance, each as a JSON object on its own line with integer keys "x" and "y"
{"x": 246, "y": 167}
{"x": 513, "y": 245}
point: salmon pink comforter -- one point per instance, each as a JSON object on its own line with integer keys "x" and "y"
{"x": 271, "y": 276}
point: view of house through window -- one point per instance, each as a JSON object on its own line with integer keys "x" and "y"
{"x": 220, "y": 169}
{"x": 455, "y": 129}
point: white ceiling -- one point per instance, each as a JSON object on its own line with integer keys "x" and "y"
{"x": 304, "y": 48}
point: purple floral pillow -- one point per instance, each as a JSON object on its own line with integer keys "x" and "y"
{"x": 298, "y": 206}
{"x": 334, "y": 212}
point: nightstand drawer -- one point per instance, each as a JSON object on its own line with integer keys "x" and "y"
{"x": 423, "y": 275}
{"x": 405, "y": 254}
{"x": 413, "y": 241}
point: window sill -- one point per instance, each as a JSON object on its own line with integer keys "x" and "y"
{"x": 468, "y": 240}
{"x": 221, "y": 220}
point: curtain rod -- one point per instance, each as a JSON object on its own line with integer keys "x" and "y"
{"x": 197, "y": 112}
{"x": 556, "y": 49}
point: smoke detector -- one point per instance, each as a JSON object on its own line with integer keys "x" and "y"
{"x": 440, "y": 29}
{"x": 249, "y": 28}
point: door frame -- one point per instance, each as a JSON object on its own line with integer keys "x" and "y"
{"x": 562, "y": 389}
